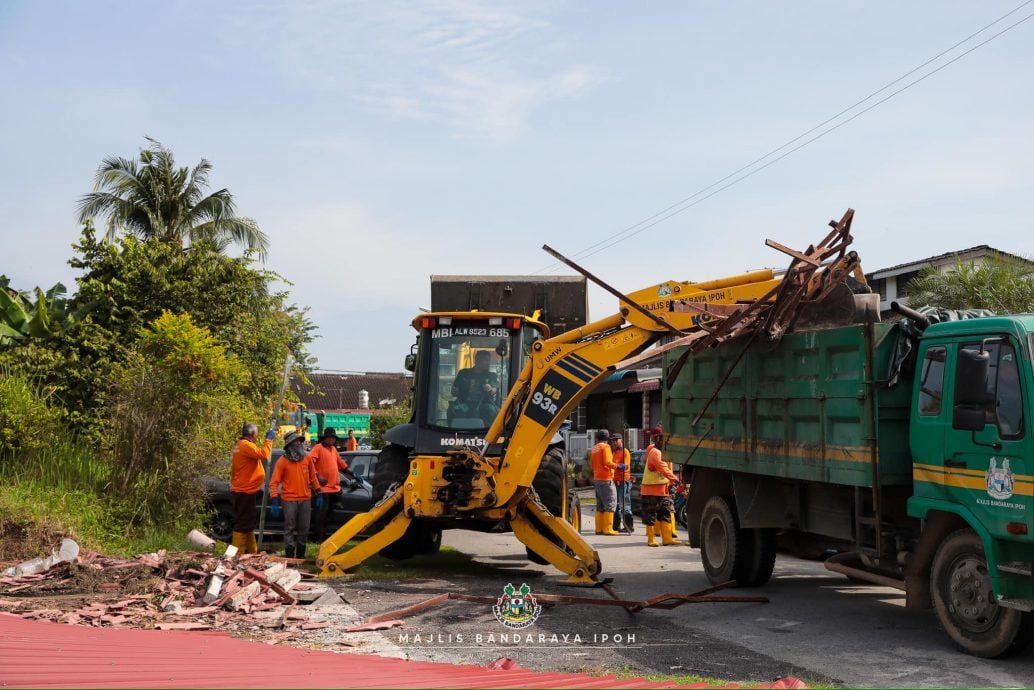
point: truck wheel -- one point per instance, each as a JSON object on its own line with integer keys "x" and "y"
{"x": 965, "y": 603}
{"x": 762, "y": 555}
{"x": 725, "y": 549}
{"x": 549, "y": 485}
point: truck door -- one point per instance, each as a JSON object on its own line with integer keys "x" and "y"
{"x": 989, "y": 471}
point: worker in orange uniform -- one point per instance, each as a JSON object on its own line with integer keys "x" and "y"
{"x": 623, "y": 521}
{"x": 327, "y": 461}
{"x": 351, "y": 443}
{"x": 603, "y": 467}
{"x": 657, "y": 504}
{"x": 247, "y": 475}
{"x": 294, "y": 478}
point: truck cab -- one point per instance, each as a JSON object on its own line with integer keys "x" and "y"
{"x": 973, "y": 465}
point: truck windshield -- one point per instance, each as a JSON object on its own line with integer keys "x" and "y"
{"x": 469, "y": 374}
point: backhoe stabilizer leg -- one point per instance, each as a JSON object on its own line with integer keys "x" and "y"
{"x": 535, "y": 526}
{"x": 332, "y": 564}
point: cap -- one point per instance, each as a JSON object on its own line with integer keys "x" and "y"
{"x": 617, "y": 437}
{"x": 603, "y": 433}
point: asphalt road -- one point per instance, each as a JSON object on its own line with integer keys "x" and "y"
{"x": 818, "y": 625}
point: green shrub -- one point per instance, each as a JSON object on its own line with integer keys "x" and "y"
{"x": 383, "y": 420}
{"x": 175, "y": 408}
{"x": 27, "y": 420}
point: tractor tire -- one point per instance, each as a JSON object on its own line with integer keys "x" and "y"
{"x": 725, "y": 548}
{"x": 549, "y": 485}
{"x": 419, "y": 538}
{"x": 965, "y": 603}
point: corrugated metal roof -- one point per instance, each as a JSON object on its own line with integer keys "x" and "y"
{"x": 963, "y": 254}
{"x": 35, "y": 654}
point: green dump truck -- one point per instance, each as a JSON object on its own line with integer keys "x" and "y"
{"x": 906, "y": 456}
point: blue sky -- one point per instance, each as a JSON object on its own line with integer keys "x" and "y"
{"x": 379, "y": 143}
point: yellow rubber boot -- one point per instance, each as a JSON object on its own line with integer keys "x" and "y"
{"x": 599, "y": 516}
{"x": 651, "y": 533}
{"x": 251, "y": 546}
{"x": 240, "y": 540}
{"x": 674, "y": 526}
{"x": 666, "y": 538}
{"x": 607, "y": 523}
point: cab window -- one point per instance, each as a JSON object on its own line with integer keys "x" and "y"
{"x": 470, "y": 374}
{"x": 931, "y": 383}
{"x": 1004, "y": 391}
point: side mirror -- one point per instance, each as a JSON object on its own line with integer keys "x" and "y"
{"x": 410, "y": 362}
{"x": 970, "y": 390}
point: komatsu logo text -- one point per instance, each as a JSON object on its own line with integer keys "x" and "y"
{"x": 463, "y": 441}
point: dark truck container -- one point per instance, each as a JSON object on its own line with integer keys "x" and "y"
{"x": 563, "y": 300}
{"x": 916, "y": 470}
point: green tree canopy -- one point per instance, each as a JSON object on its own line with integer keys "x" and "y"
{"x": 1004, "y": 285}
{"x": 127, "y": 284}
{"x": 151, "y": 198}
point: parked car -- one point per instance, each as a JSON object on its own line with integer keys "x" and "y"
{"x": 356, "y": 497}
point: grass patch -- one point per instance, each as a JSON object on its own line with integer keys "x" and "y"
{"x": 587, "y": 500}
{"x": 37, "y": 513}
{"x": 447, "y": 563}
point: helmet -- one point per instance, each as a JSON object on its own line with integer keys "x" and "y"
{"x": 328, "y": 432}
{"x": 291, "y": 437}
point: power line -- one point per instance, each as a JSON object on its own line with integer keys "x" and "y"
{"x": 684, "y": 204}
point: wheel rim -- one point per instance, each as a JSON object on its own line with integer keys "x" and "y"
{"x": 716, "y": 542}
{"x": 968, "y": 595}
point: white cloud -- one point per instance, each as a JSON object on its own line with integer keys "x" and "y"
{"x": 474, "y": 68}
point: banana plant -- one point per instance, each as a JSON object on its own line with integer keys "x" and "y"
{"x": 24, "y": 316}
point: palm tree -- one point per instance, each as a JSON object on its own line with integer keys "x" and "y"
{"x": 1003, "y": 285}
{"x": 153, "y": 199}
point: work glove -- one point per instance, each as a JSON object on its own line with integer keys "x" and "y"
{"x": 319, "y": 500}
{"x": 322, "y": 481}
{"x": 270, "y": 435}
{"x": 275, "y": 510}
{"x": 622, "y": 467}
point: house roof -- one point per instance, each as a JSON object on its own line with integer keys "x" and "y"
{"x": 963, "y": 255}
{"x": 338, "y": 391}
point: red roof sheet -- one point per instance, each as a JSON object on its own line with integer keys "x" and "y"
{"x": 35, "y": 654}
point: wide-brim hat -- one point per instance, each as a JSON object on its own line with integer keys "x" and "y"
{"x": 329, "y": 432}
{"x": 293, "y": 436}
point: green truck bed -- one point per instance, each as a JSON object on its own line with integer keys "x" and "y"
{"x": 807, "y": 408}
